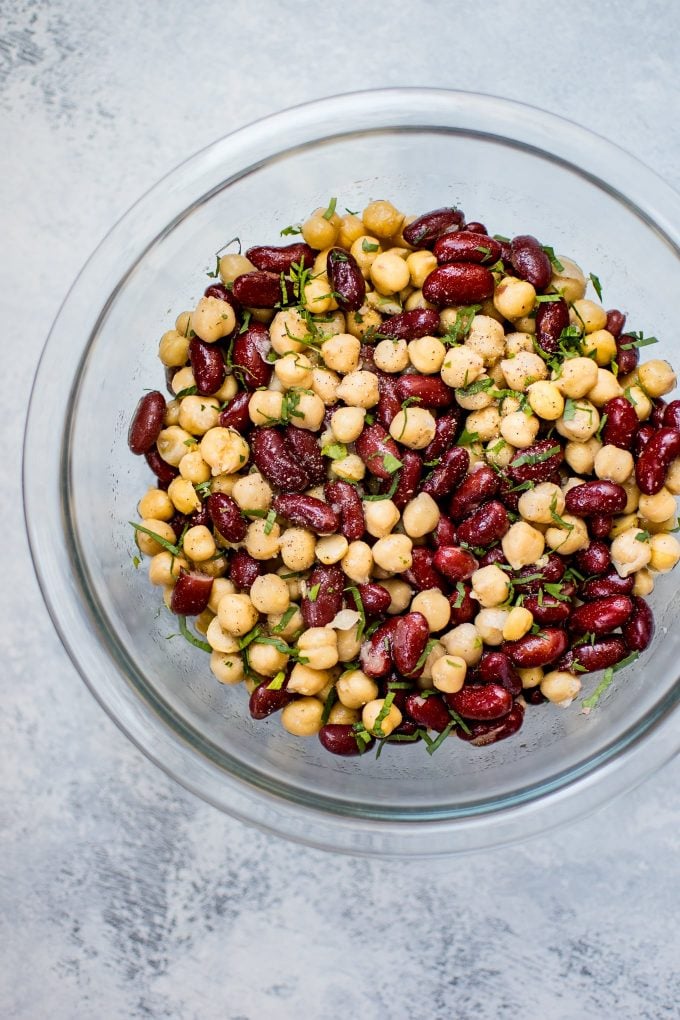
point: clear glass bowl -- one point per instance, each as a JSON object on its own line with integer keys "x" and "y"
{"x": 517, "y": 169}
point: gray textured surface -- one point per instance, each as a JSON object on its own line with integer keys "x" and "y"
{"x": 123, "y": 896}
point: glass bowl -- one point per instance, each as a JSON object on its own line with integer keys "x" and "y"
{"x": 516, "y": 168}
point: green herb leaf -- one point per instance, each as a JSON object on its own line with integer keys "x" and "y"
{"x": 135, "y": 562}
{"x": 535, "y": 458}
{"x": 642, "y": 536}
{"x": 391, "y": 464}
{"x": 460, "y": 722}
{"x": 603, "y": 422}
{"x": 293, "y": 229}
{"x": 351, "y": 212}
{"x": 557, "y": 519}
{"x": 554, "y": 261}
{"x": 556, "y": 591}
{"x": 369, "y": 246}
{"x": 596, "y": 284}
{"x": 336, "y": 451}
{"x": 285, "y": 619}
{"x": 191, "y": 638}
{"x": 467, "y": 438}
{"x": 331, "y": 698}
{"x": 354, "y": 592}
{"x": 271, "y": 521}
{"x": 313, "y": 592}
{"x": 382, "y": 715}
{"x": 426, "y": 651}
{"x": 174, "y": 549}
{"x": 462, "y": 592}
{"x": 640, "y": 341}
{"x": 328, "y": 214}
{"x": 189, "y": 391}
{"x": 546, "y": 298}
{"x": 460, "y": 328}
{"x": 434, "y": 745}
{"x": 373, "y": 498}
{"x": 277, "y": 682}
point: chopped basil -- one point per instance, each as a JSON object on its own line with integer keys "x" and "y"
{"x": 543, "y": 298}
{"x": 462, "y": 592}
{"x": 640, "y": 341}
{"x": 556, "y": 590}
{"x": 135, "y": 562}
{"x": 336, "y": 451}
{"x": 191, "y": 638}
{"x": 174, "y": 549}
{"x": 270, "y": 522}
{"x": 382, "y": 715}
{"x": 277, "y": 682}
{"x": 285, "y": 619}
{"x": 460, "y": 722}
{"x": 425, "y": 653}
{"x": 356, "y": 595}
{"x": 603, "y": 422}
{"x": 460, "y": 328}
{"x": 434, "y": 745}
{"x": 369, "y": 246}
{"x": 331, "y": 698}
{"x": 467, "y": 438}
{"x": 535, "y": 458}
{"x": 554, "y": 261}
{"x": 642, "y": 536}
{"x": 391, "y": 463}
{"x": 189, "y": 391}
{"x": 293, "y": 229}
{"x": 313, "y": 592}
{"x": 328, "y": 214}
{"x": 557, "y": 519}
{"x": 591, "y": 702}
{"x": 596, "y": 284}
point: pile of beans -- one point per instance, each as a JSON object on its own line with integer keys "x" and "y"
{"x": 410, "y": 479}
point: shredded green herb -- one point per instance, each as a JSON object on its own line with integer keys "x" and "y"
{"x": 191, "y": 638}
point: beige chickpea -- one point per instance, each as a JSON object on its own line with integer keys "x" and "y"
{"x": 308, "y": 410}
{"x": 221, "y": 586}
{"x": 350, "y": 468}
{"x": 325, "y": 383}
{"x": 434, "y": 606}
{"x": 566, "y": 541}
{"x": 212, "y": 319}
{"x": 659, "y": 507}
{"x": 490, "y": 585}
{"x": 640, "y": 401}
{"x": 219, "y": 639}
{"x": 499, "y": 453}
{"x": 605, "y": 389}
{"x": 644, "y": 583}
{"x": 490, "y": 623}
{"x": 237, "y": 614}
{"x": 294, "y": 369}
{"x": 527, "y": 324}
{"x": 518, "y": 623}
{"x": 622, "y": 523}
{"x": 319, "y": 232}
{"x": 665, "y": 552}
{"x": 349, "y": 644}
{"x": 400, "y": 593}
{"x": 656, "y": 377}
{"x": 420, "y": 265}
{"x": 371, "y": 718}
{"x": 389, "y": 273}
{"x": 448, "y": 673}
{"x": 347, "y": 423}
{"x": 357, "y": 562}
{"x": 421, "y": 516}
{"x": 427, "y": 354}
{"x": 308, "y": 681}
{"x": 198, "y": 414}
{"x": 359, "y": 389}
{"x": 302, "y": 717}
{"x": 173, "y": 443}
{"x": 286, "y": 331}
{"x": 531, "y": 677}
{"x": 570, "y": 280}
{"x": 391, "y": 355}
{"x": 341, "y": 353}
{"x": 261, "y": 544}
{"x": 581, "y": 456}
{"x": 522, "y": 545}
{"x": 227, "y": 667}
{"x": 156, "y": 504}
{"x": 546, "y": 400}
{"x": 199, "y": 544}
{"x": 183, "y": 380}
{"x": 613, "y": 464}
{"x": 516, "y": 342}
{"x": 474, "y": 399}
{"x": 269, "y": 594}
{"x": 365, "y": 249}
{"x": 577, "y": 377}
{"x": 173, "y": 349}
{"x": 588, "y": 314}
{"x": 224, "y": 450}
{"x": 413, "y": 427}
{"x": 486, "y": 423}
{"x": 380, "y": 515}
{"x": 288, "y": 629}
{"x": 164, "y": 568}
{"x": 351, "y": 227}
{"x": 523, "y": 370}
{"x": 632, "y": 495}
{"x": 539, "y": 504}
{"x": 320, "y": 646}
{"x": 560, "y": 687}
{"x": 233, "y": 265}
{"x": 461, "y": 367}
{"x": 366, "y": 319}
{"x": 582, "y": 421}
{"x": 487, "y": 337}
{"x": 184, "y": 497}
{"x": 673, "y": 477}
{"x": 601, "y": 345}
{"x": 382, "y": 219}
{"x": 393, "y": 553}
{"x": 331, "y": 549}
{"x": 464, "y": 641}
{"x": 171, "y": 416}
{"x": 514, "y": 298}
{"x": 342, "y": 716}
{"x": 355, "y": 689}
{"x": 252, "y": 492}
{"x": 266, "y": 659}
{"x": 297, "y": 548}
{"x": 194, "y": 468}
{"x": 519, "y": 429}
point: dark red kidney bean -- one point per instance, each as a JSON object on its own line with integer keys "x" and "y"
{"x": 446, "y": 429}
{"x": 276, "y": 462}
{"x": 219, "y": 291}
{"x": 208, "y": 366}
{"x": 307, "y": 512}
{"x": 616, "y": 320}
{"x": 409, "y": 479}
{"x": 463, "y": 607}
{"x": 328, "y": 601}
{"x": 610, "y": 583}
{"x": 656, "y": 418}
{"x": 163, "y": 471}
{"x": 430, "y": 711}
{"x": 454, "y": 563}
{"x": 235, "y": 415}
{"x": 533, "y": 696}
{"x": 506, "y": 257}
{"x": 671, "y": 415}
{"x": 600, "y": 525}
{"x": 424, "y": 230}
{"x": 493, "y": 556}
{"x": 191, "y": 593}
{"x": 655, "y": 460}
{"x": 595, "y": 498}
{"x": 524, "y": 467}
{"x": 479, "y": 486}
{"x": 483, "y": 733}
{"x": 374, "y": 598}
{"x": 346, "y": 279}
{"x": 546, "y": 609}
{"x": 225, "y": 514}
{"x": 591, "y": 657}
{"x": 146, "y": 423}
{"x": 367, "y": 358}
{"x": 281, "y": 258}
{"x": 537, "y": 649}
{"x": 389, "y": 403}
{"x": 339, "y": 738}
{"x": 243, "y": 569}
{"x": 508, "y": 494}
{"x": 445, "y": 532}
{"x": 264, "y": 702}
{"x": 449, "y": 473}
{"x": 458, "y": 283}
{"x": 486, "y": 525}
{"x": 551, "y": 572}
{"x": 375, "y": 656}
{"x": 427, "y": 390}
{"x": 551, "y": 318}
{"x": 601, "y": 615}
{"x": 200, "y": 517}
{"x": 483, "y": 701}
{"x": 409, "y": 638}
{"x": 644, "y": 434}
{"x": 411, "y": 325}
{"x": 169, "y": 374}
{"x": 305, "y": 448}
{"x": 421, "y": 573}
{"x": 621, "y": 425}
{"x": 596, "y": 559}
{"x": 530, "y": 262}
{"x": 378, "y": 451}
{"x": 466, "y": 246}
{"x": 346, "y": 502}
{"x": 262, "y": 290}
{"x": 496, "y": 668}
{"x": 475, "y": 228}
{"x": 626, "y": 357}
{"x": 249, "y": 356}
{"x": 638, "y": 630}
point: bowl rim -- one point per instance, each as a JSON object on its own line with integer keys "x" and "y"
{"x": 628, "y": 760}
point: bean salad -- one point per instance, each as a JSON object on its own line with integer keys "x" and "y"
{"x": 409, "y": 480}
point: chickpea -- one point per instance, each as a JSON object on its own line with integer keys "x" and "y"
{"x": 656, "y": 378}
{"x": 613, "y": 464}
{"x": 434, "y": 606}
{"x": 498, "y": 452}
{"x": 461, "y": 367}
{"x": 357, "y": 562}
{"x": 380, "y": 515}
{"x": 269, "y": 594}
{"x": 420, "y": 265}
{"x": 522, "y": 545}
{"x": 570, "y": 280}
{"x": 293, "y": 370}
{"x": 391, "y": 355}
{"x": 516, "y": 342}
{"x": 237, "y": 614}
{"x": 487, "y": 338}
{"x": 490, "y": 624}
{"x": 218, "y": 639}
{"x": 665, "y": 552}
{"x": 359, "y": 323}
{"x": 347, "y": 423}
{"x": 486, "y": 423}
{"x": 514, "y": 298}
{"x": 331, "y": 549}
{"x": 393, "y": 553}
{"x": 673, "y": 477}
{"x": 302, "y": 717}
{"x": 518, "y": 623}
{"x": 252, "y": 492}
{"x": 659, "y": 507}
{"x": 341, "y": 716}
{"x": 289, "y": 629}
{"x": 349, "y": 644}
{"x": 605, "y": 389}
{"x": 560, "y": 687}
{"x": 377, "y": 723}
{"x": 173, "y": 443}
{"x": 199, "y": 544}
{"x": 448, "y": 673}
{"x": 326, "y": 384}
{"x": 531, "y": 677}
{"x": 427, "y": 354}
{"x": 523, "y": 370}
{"x": 306, "y": 680}
{"x": 601, "y": 344}
{"x": 198, "y": 414}
{"x": 365, "y": 249}
{"x": 546, "y": 400}
{"x": 640, "y": 401}
{"x": 173, "y": 349}
{"x": 266, "y": 659}
{"x": 475, "y": 401}
{"x": 298, "y": 548}
{"x": 171, "y": 416}
{"x": 382, "y": 219}
{"x": 569, "y": 539}
{"x": 193, "y": 468}
{"x": 221, "y": 586}
{"x": 260, "y": 544}
{"x": 400, "y": 592}
{"x": 288, "y": 328}
{"x": 359, "y": 389}
{"x": 265, "y": 406}
{"x": 584, "y": 421}
{"x": 421, "y": 516}
{"x": 147, "y": 544}
{"x": 581, "y": 456}
{"x": 227, "y": 667}
{"x": 416, "y": 300}
{"x": 490, "y": 585}
{"x": 539, "y": 504}
{"x": 464, "y": 641}
{"x": 320, "y": 231}
{"x": 164, "y": 568}
{"x": 577, "y": 377}
{"x": 156, "y": 504}
{"x": 644, "y": 583}
{"x": 389, "y": 273}
{"x": 526, "y": 324}
{"x": 212, "y": 319}
{"x": 350, "y": 468}
{"x": 182, "y": 380}
{"x": 355, "y": 689}
{"x": 519, "y": 429}
{"x": 413, "y": 427}
{"x": 341, "y": 353}
{"x": 621, "y": 523}
{"x": 351, "y": 228}
{"x": 308, "y": 411}
{"x": 588, "y": 314}
{"x": 233, "y": 265}
{"x": 320, "y": 646}
{"x": 224, "y": 450}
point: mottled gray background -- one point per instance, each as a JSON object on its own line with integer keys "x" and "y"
{"x": 122, "y": 895}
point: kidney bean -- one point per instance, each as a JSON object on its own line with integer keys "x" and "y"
{"x": 644, "y": 434}
{"x": 412, "y": 324}
{"x": 191, "y": 593}
{"x": 530, "y": 262}
{"x": 595, "y": 498}
{"x": 483, "y": 701}
{"x": 600, "y": 525}
{"x": 346, "y": 503}
{"x": 655, "y": 460}
{"x": 249, "y": 354}
{"x": 276, "y": 462}
{"x": 627, "y": 358}
{"x": 546, "y": 609}
{"x": 656, "y": 418}
{"x": 551, "y": 318}
{"x": 601, "y": 615}
{"x": 463, "y": 607}
{"x": 537, "y": 649}
{"x": 307, "y": 512}
{"x": 225, "y": 514}
{"x": 493, "y": 556}
{"x": 339, "y": 738}
{"x": 533, "y": 696}
{"x": 328, "y": 601}
{"x": 450, "y": 472}
{"x": 525, "y": 467}
{"x": 163, "y": 471}
{"x": 621, "y": 425}
{"x": 243, "y": 569}
{"x": 262, "y": 289}
{"x": 409, "y": 478}
{"x": 427, "y": 390}
{"x": 389, "y": 403}
{"x": 375, "y": 656}
{"x": 458, "y": 283}
{"x": 146, "y": 423}
{"x": 638, "y": 630}
{"x": 367, "y": 358}
{"x": 591, "y": 657}
{"x": 475, "y": 228}
{"x": 421, "y": 573}
{"x": 508, "y": 494}
{"x": 235, "y": 415}
{"x": 346, "y": 279}
{"x": 484, "y": 733}
{"x": 446, "y": 429}
{"x": 375, "y": 446}
{"x": 409, "y": 638}
{"x": 281, "y": 258}
{"x": 616, "y": 320}
{"x": 467, "y": 246}
{"x": 496, "y": 668}
{"x": 445, "y": 532}
{"x": 208, "y": 366}
{"x": 374, "y": 598}
{"x": 219, "y": 291}
{"x": 430, "y": 711}
{"x": 454, "y": 563}
{"x": 486, "y": 525}
{"x": 596, "y": 559}
{"x": 200, "y": 517}
{"x": 551, "y": 572}
{"x": 169, "y": 374}
{"x": 610, "y": 583}
{"x": 264, "y": 702}
{"x": 424, "y": 230}
{"x": 479, "y": 486}
{"x": 671, "y": 415}
{"x": 305, "y": 448}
